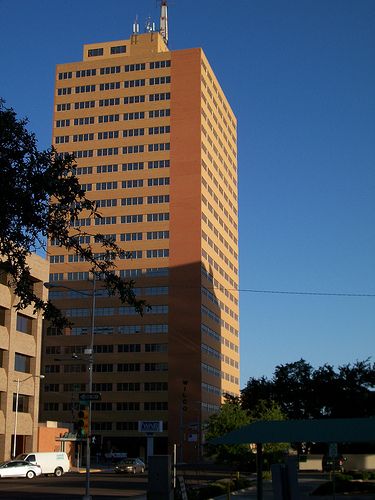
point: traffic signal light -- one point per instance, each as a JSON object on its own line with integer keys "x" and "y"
{"x": 80, "y": 424}
{"x": 86, "y": 421}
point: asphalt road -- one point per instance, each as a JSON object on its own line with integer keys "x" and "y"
{"x": 71, "y": 486}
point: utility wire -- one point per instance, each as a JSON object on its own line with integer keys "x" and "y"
{"x": 288, "y": 292}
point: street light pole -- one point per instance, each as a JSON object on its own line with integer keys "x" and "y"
{"x": 90, "y": 353}
{"x": 18, "y": 380}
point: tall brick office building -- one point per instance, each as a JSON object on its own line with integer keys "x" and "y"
{"x": 155, "y": 144}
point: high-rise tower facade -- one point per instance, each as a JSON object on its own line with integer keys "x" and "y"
{"x": 155, "y": 143}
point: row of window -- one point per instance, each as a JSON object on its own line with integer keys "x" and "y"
{"x": 210, "y": 351}
{"x": 134, "y": 149}
{"x": 107, "y": 367}
{"x": 157, "y": 328}
{"x": 130, "y": 183}
{"x": 89, "y": 120}
{"x": 133, "y": 236}
{"x": 218, "y": 218}
{"x": 109, "y": 348}
{"x": 135, "y": 200}
{"x": 108, "y": 406}
{"x": 207, "y": 151}
{"x": 114, "y": 101}
{"x": 112, "y": 69}
{"x": 123, "y": 273}
{"x": 111, "y": 311}
{"x": 218, "y": 252}
{"x": 80, "y": 89}
{"x": 212, "y": 370}
{"x": 233, "y": 208}
{"x": 231, "y": 200}
{"x": 109, "y": 387}
{"x": 216, "y": 90}
{"x": 123, "y": 219}
{"x": 218, "y": 285}
{"x": 125, "y": 167}
{"x": 113, "y": 134}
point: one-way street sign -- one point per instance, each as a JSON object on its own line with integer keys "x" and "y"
{"x": 90, "y": 396}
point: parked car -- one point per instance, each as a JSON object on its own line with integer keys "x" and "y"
{"x": 19, "y": 468}
{"x": 130, "y": 466}
{"x": 333, "y": 463}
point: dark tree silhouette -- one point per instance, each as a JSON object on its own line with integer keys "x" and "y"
{"x": 41, "y": 198}
{"x": 304, "y": 392}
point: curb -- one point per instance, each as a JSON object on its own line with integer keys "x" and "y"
{"x": 92, "y": 471}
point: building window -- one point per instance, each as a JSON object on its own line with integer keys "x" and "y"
{"x": 23, "y": 403}
{"x": 110, "y": 70}
{"x": 106, "y": 406}
{"x": 95, "y": 52}
{"x": 51, "y": 388}
{"x": 160, "y": 80}
{"x": 156, "y": 347}
{"x": 2, "y": 316}
{"x": 155, "y": 386}
{"x": 155, "y": 406}
{"x": 134, "y": 83}
{"x": 103, "y": 368}
{"x": 128, "y": 406}
{"x": 129, "y": 386}
{"x": 88, "y": 120}
{"x": 156, "y": 367}
{"x": 135, "y": 67}
{"x": 118, "y": 49}
{"x": 84, "y": 88}
{"x": 102, "y": 386}
{"x": 65, "y": 76}
{"x": 22, "y": 363}
{"x": 134, "y": 99}
{"x": 160, "y": 64}
{"x": 109, "y": 86}
{"x": 85, "y": 72}
{"x": 156, "y": 328}
{"x": 51, "y": 406}
{"x": 129, "y": 348}
{"x": 128, "y": 367}
{"x": 102, "y": 426}
{"x": 52, "y": 369}
{"x": 108, "y": 118}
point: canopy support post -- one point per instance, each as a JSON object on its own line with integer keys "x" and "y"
{"x": 259, "y": 471}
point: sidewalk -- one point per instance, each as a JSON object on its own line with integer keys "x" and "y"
{"x": 305, "y": 490}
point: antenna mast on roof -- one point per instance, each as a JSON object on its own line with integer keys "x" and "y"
{"x": 164, "y": 20}
{"x": 136, "y": 26}
{"x": 150, "y": 25}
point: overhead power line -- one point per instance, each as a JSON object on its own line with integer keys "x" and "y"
{"x": 289, "y": 292}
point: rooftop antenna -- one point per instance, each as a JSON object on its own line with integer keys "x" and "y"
{"x": 136, "y": 26}
{"x": 164, "y": 20}
{"x": 150, "y": 25}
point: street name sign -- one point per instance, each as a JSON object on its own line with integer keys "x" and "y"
{"x": 90, "y": 396}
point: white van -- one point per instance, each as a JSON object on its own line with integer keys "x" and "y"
{"x": 50, "y": 462}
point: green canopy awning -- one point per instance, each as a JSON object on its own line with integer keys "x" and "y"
{"x": 336, "y": 430}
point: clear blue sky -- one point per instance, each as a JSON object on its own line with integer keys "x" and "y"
{"x": 300, "y": 76}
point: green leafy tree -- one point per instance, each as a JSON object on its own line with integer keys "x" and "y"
{"x": 42, "y": 198}
{"x": 269, "y": 410}
{"x": 230, "y": 417}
